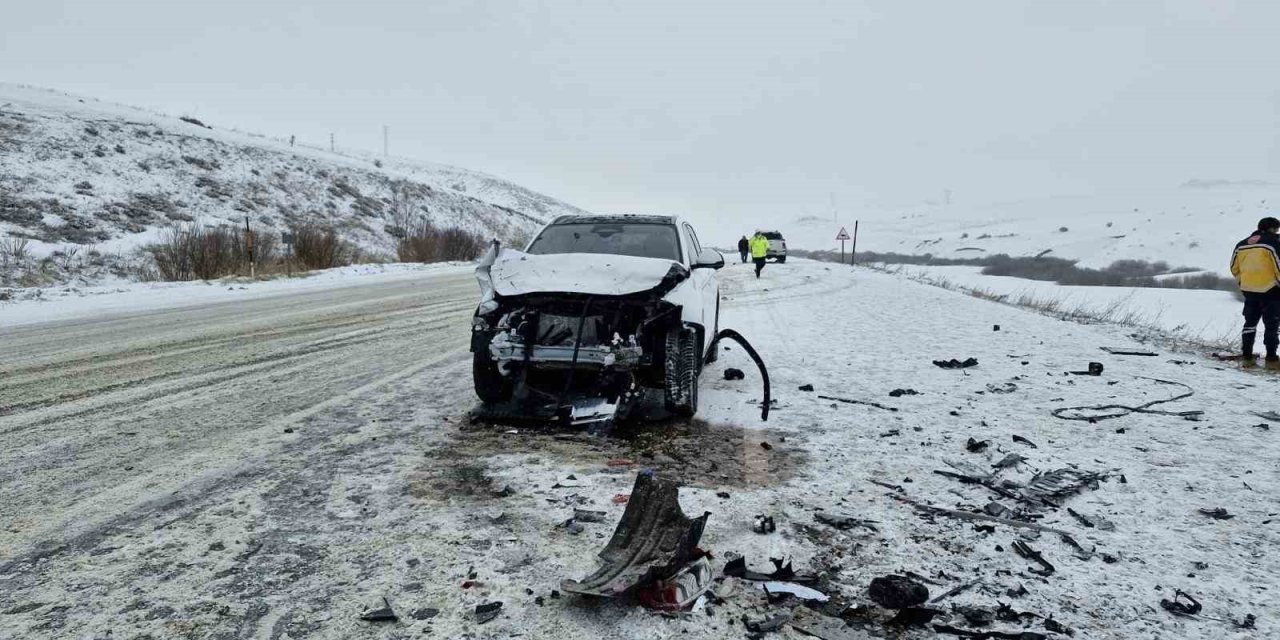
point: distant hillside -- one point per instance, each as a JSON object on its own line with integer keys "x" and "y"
{"x": 80, "y": 172}
{"x": 1195, "y": 227}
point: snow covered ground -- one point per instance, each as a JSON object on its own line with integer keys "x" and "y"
{"x": 271, "y": 468}
{"x": 56, "y": 304}
{"x": 1203, "y": 315}
{"x": 1196, "y": 225}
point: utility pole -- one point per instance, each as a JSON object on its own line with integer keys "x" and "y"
{"x": 330, "y": 142}
{"x": 385, "y": 134}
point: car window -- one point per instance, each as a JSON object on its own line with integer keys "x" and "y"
{"x": 641, "y": 240}
{"x": 772, "y": 235}
{"x": 694, "y": 245}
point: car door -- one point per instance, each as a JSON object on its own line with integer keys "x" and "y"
{"x": 707, "y": 286}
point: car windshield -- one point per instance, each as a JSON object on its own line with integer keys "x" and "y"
{"x": 772, "y": 235}
{"x": 641, "y": 240}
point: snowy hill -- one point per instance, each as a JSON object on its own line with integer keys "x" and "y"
{"x": 1194, "y": 225}
{"x": 77, "y": 171}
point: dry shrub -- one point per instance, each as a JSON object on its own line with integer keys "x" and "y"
{"x": 427, "y": 243}
{"x": 317, "y": 247}
{"x": 192, "y": 251}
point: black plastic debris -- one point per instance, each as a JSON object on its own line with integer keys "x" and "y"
{"x": 1023, "y": 549}
{"x": 863, "y": 402}
{"x": 995, "y": 327}
{"x": 977, "y": 446}
{"x": 737, "y": 568}
{"x": 587, "y": 515}
{"x": 1006, "y": 613}
{"x": 897, "y": 592}
{"x": 653, "y": 541}
{"x": 806, "y": 387}
{"x": 914, "y": 616}
{"x": 764, "y": 524}
{"x": 1060, "y": 483}
{"x": 767, "y": 625}
{"x": 734, "y": 374}
{"x": 1021, "y": 440}
{"x": 898, "y": 393}
{"x": 976, "y": 616}
{"x": 382, "y": 614}
{"x": 1273, "y": 416}
{"x": 1250, "y": 622}
{"x": 1095, "y": 369}
{"x": 1119, "y": 351}
{"x": 989, "y": 635}
{"x": 843, "y": 522}
{"x": 487, "y": 611}
{"x": 1217, "y": 513}
{"x": 1182, "y": 604}
{"x": 1010, "y": 460}
{"x": 1057, "y": 627}
{"x": 823, "y": 627}
{"x": 956, "y": 364}
{"x": 425, "y": 613}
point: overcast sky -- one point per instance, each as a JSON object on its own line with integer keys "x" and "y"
{"x": 723, "y": 109}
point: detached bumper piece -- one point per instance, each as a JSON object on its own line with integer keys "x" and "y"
{"x": 654, "y": 548}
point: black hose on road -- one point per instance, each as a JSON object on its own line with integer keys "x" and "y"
{"x": 764, "y": 373}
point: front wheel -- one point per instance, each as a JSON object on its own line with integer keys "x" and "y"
{"x": 681, "y": 372}
{"x": 782, "y": 259}
{"x": 491, "y": 386}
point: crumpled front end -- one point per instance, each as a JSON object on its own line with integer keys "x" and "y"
{"x": 561, "y": 349}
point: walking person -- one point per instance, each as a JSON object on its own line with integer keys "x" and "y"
{"x": 1256, "y": 266}
{"x": 759, "y": 251}
{"x": 744, "y": 248}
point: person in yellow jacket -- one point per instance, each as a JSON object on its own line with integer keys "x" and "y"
{"x": 1256, "y": 266}
{"x": 759, "y": 251}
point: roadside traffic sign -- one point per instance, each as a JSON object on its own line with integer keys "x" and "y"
{"x": 843, "y": 235}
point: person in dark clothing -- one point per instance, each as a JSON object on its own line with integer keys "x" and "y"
{"x": 1256, "y": 266}
{"x": 744, "y": 249}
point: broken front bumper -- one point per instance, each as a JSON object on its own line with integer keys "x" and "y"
{"x": 505, "y": 350}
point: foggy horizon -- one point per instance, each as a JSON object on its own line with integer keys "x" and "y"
{"x": 719, "y": 111}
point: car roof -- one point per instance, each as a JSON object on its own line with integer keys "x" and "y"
{"x": 615, "y": 219}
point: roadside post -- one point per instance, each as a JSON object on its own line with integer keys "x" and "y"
{"x": 842, "y": 236}
{"x": 854, "y": 253}
{"x": 248, "y": 243}
{"x": 287, "y": 240}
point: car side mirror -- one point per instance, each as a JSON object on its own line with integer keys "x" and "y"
{"x": 709, "y": 259}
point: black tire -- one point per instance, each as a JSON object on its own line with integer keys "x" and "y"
{"x": 782, "y": 259}
{"x": 491, "y": 386}
{"x": 714, "y": 354}
{"x": 681, "y": 372}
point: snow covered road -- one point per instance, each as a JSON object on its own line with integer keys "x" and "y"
{"x": 272, "y": 468}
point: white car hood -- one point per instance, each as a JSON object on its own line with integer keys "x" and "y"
{"x": 516, "y": 273}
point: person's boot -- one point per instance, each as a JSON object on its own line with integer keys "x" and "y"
{"x": 1273, "y": 362}
{"x": 1247, "y": 359}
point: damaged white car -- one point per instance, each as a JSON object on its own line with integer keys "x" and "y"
{"x": 596, "y": 310}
